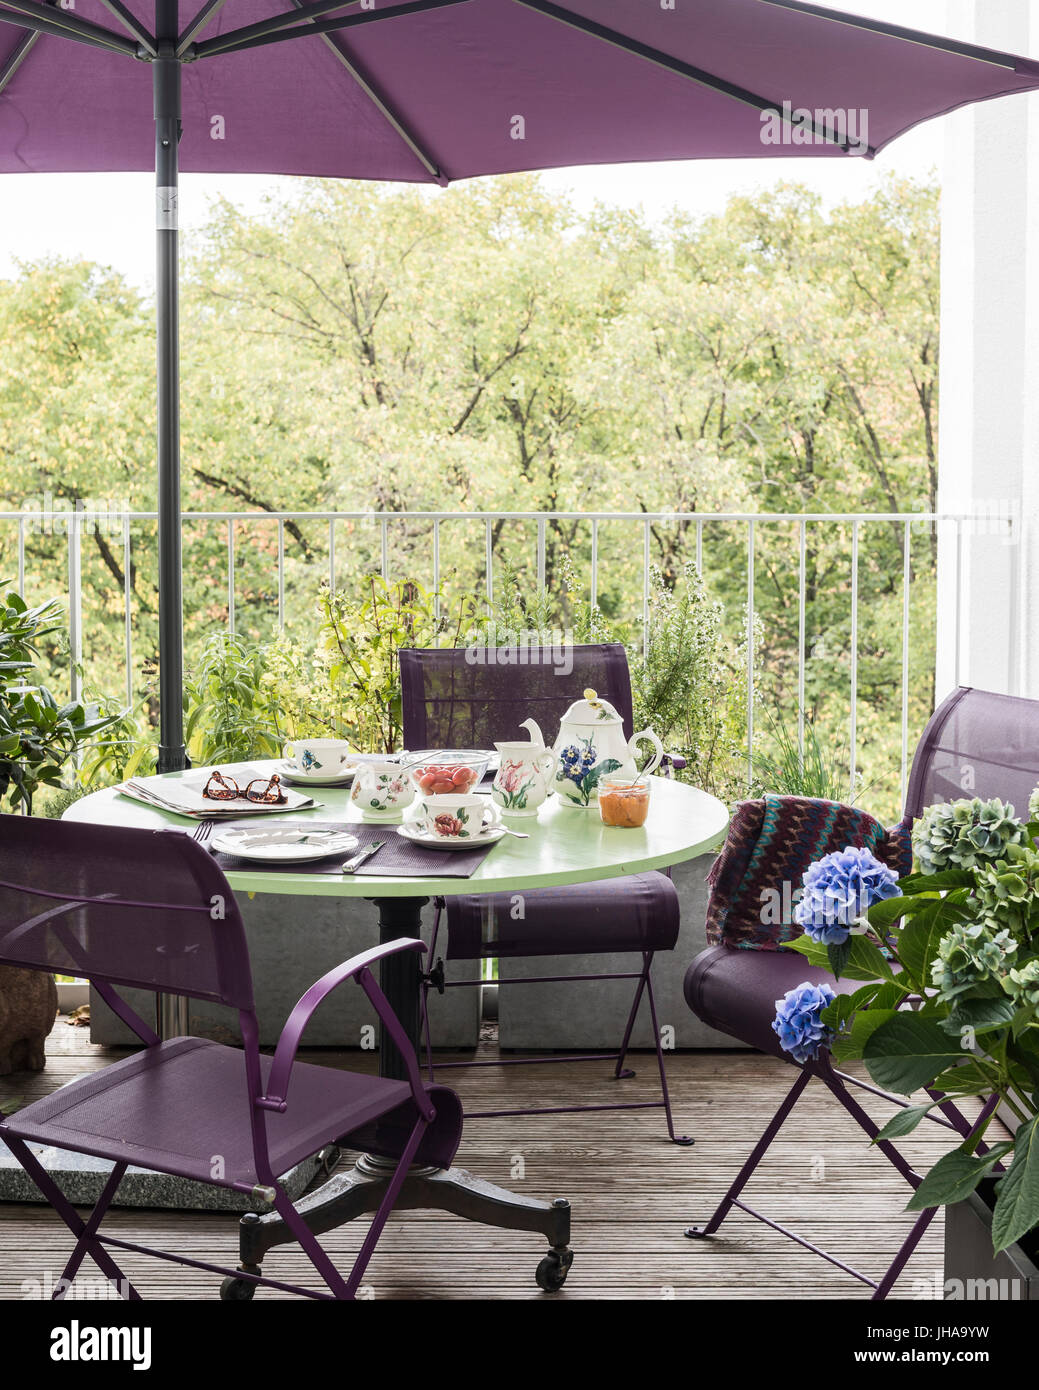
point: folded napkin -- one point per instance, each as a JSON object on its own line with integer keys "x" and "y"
{"x": 183, "y": 795}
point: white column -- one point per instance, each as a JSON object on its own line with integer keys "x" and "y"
{"x": 988, "y": 588}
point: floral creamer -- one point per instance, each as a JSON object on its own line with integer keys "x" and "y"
{"x": 522, "y": 781}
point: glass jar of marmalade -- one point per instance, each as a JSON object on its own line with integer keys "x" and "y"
{"x": 624, "y": 801}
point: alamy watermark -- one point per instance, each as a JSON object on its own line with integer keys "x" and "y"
{"x": 502, "y": 646}
{"x": 845, "y": 127}
{"x": 48, "y": 515}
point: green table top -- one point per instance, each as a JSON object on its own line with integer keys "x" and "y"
{"x": 566, "y": 845}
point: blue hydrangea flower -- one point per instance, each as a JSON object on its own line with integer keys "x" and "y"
{"x": 837, "y": 891}
{"x": 797, "y": 1023}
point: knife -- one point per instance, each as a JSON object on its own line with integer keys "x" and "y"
{"x": 354, "y": 863}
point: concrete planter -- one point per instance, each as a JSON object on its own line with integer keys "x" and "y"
{"x": 972, "y": 1272}
{"x": 593, "y": 1014}
{"x": 293, "y": 941}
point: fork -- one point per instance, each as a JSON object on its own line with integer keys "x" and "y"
{"x": 202, "y": 831}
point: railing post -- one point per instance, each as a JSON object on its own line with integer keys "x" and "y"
{"x": 853, "y": 718}
{"x": 907, "y": 566}
{"x": 128, "y": 608}
{"x": 802, "y": 609}
{"x": 593, "y": 588}
{"x": 75, "y": 578}
{"x": 750, "y": 654}
{"x": 646, "y": 536}
{"x": 230, "y": 577}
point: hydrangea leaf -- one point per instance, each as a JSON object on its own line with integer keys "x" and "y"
{"x": 1017, "y": 1196}
{"x": 887, "y": 911}
{"x": 903, "y": 1122}
{"x": 979, "y": 1015}
{"x": 916, "y": 884}
{"x": 919, "y": 939}
{"x": 954, "y": 1177}
{"x": 849, "y": 1046}
{"x": 908, "y": 1052}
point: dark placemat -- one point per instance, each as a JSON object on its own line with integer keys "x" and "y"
{"x": 398, "y": 858}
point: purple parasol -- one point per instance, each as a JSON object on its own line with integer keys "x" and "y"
{"x": 435, "y": 90}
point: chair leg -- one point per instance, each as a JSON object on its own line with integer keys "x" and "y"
{"x": 424, "y": 1025}
{"x": 838, "y": 1089}
{"x": 758, "y": 1153}
{"x": 424, "y": 1015}
{"x": 385, "y": 1207}
{"x": 620, "y": 1072}
{"x": 90, "y": 1230}
{"x": 684, "y": 1139}
{"x": 87, "y": 1239}
{"x": 906, "y": 1249}
{"x": 346, "y": 1289}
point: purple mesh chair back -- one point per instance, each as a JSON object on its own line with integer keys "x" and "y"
{"x": 147, "y": 908}
{"x": 452, "y": 701}
{"x": 977, "y": 743}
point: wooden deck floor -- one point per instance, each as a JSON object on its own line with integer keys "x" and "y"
{"x": 632, "y": 1194}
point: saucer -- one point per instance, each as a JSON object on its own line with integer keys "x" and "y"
{"x": 490, "y": 836}
{"x": 297, "y": 779}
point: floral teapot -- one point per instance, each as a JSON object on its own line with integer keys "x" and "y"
{"x": 591, "y": 745}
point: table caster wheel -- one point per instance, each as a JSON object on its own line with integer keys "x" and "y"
{"x": 234, "y": 1290}
{"x": 552, "y": 1271}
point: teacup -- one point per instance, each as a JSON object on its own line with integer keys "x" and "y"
{"x": 381, "y": 790}
{"x": 318, "y": 758}
{"x": 456, "y": 817}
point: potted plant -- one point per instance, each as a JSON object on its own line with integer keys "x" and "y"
{"x": 948, "y": 960}
{"x": 38, "y": 736}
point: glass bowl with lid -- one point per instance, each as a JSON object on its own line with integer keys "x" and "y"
{"x": 444, "y": 771}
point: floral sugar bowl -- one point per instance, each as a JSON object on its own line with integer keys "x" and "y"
{"x": 382, "y": 791}
{"x": 591, "y": 745}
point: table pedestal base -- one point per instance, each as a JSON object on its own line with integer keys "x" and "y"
{"x": 358, "y": 1191}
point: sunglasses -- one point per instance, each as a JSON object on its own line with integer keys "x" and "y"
{"x": 266, "y": 790}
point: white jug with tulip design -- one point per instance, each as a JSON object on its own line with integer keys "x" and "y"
{"x": 591, "y": 745}
{"x": 523, "y": 779}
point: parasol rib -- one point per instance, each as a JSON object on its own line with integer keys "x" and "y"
{"x": 278, "y": 29}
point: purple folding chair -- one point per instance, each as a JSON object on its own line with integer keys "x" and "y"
{"x": 452, "y": 702}
{"x": 151, "y": 909}
{"x": 976, "y": 744}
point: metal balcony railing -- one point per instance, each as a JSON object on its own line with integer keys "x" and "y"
{"x": 122, "y": 524}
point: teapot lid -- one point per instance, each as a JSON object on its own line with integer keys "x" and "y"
{"x": 592, "y": 709}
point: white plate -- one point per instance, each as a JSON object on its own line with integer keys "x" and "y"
{"x": 296, "y": 779}
{"x": 282, "y": 844}
{"x": 490, "y": 836}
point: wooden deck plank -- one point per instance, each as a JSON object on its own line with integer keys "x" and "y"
{"x": 632, "y": 1192}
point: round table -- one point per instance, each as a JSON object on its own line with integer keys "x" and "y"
{"x": 565, "y": 845}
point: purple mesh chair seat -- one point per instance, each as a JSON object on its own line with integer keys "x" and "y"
{"x": 639, "y": 913}
{"x": 151, "y": 909}
{"x": 735, "y": 991}
{"x": 450, "y": 700}
{"x": 173, "y": 1106}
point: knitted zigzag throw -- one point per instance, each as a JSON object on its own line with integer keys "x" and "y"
{"x": 771, "y": 842}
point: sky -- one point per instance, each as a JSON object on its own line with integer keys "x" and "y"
{"x": 114, "y": 221}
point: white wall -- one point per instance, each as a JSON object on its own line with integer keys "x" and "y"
{"x": 989, "y": 423}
